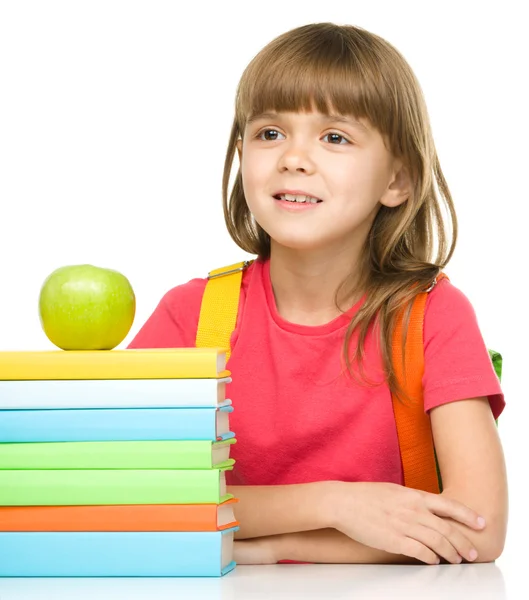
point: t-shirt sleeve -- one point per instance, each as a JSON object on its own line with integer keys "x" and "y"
{"x": 457, "y": 364}
{"x": 174, "y": 322}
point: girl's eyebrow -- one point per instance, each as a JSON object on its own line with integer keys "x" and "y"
{"x": 326, "y": 118}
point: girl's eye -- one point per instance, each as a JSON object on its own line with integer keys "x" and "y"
{"x": 337, "y": 136}
{"x": 270, "y": 135}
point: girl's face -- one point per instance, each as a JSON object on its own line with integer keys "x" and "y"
{"x": 339, "y": 161}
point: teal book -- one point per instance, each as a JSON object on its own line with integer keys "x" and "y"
{"x": 115, "y": 424}
{"x": 112, "y": 486}
{"x": 116, "y": 554}
{"x": 117, "y": 455}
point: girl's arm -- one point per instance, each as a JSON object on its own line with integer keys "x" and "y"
{"x": 471, "y": 462}
{"x": 321, "y": 546}
{"x": 275, "y": 509}
{"x": 384, "y": 516}
{"x": 394, "y": 519}
{"x": 473, "y": 468}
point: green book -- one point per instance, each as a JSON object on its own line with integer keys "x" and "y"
{"x": 112, "y": 486}
{"x": 117, "y": 455}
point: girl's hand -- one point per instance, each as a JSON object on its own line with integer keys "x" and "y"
{"x": 401, "y": 520}
{"x": 256, "y": 551}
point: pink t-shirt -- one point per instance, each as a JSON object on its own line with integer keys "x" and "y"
{"x": 296, "y": 418}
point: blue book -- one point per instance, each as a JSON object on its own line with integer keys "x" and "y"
{"x": 116, "y": 554}
{"x": 116, "y": 425}
{"x": 112, "y": 393}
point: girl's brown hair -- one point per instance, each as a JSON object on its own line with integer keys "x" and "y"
{"x": 346, "y": 69}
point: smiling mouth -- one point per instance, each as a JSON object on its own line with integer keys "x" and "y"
{"x": 297, "y": 199}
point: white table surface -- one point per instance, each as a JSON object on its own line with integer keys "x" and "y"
{"x": 282, "y": 582}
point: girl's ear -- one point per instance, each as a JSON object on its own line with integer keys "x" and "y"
{"x": 239, "y": 148}
{"x": 399, "y": 188}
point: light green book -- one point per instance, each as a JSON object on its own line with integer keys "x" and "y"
{"x": 117, "y": 455}
{"x": 112, "y": 486}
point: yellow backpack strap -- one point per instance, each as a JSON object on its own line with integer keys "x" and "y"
{"x": 220, "y": 304}
{"x": 414, "y": 431}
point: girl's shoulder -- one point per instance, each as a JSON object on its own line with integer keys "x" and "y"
{"x": 174, "y": 320}
{"x": 445, "y": 295}
{"x": 185, "y": 297}
{"x": 457, "y": 364}
{"x": 185, "y": 300}
{"x": 448, "y": 303}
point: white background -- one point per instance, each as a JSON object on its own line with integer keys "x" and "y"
{"x": 114, "y": 119}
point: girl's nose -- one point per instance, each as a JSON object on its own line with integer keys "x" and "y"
{"x": 296, "y": 159}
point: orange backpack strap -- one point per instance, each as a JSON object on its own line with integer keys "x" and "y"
{"x": 220, "y": 304}
{"x": 413, "y": 424}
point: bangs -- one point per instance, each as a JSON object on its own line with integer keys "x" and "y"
{"x": 327, "y": 75}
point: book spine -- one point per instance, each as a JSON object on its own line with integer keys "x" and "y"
{"x": 139, "y": 517}
{"x": 113, "y": 393}
{"x": 114, "y": 554}
{"x": 98, "y": 425}
{"x": 113, "y": 364}
{"x": 110, "y": 455}
{"x": 113, "y": 486}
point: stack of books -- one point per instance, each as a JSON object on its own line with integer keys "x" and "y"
{"x": 112, "y": 463}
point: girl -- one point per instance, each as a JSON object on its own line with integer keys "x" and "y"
{"x": 339, "y": 194}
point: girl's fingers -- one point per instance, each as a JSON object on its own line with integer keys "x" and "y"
{"x": 455, "y": 537}
{"x": 446, "y": 507}
{"x": 415, "y": 549}
{"x": 436, "y": 542}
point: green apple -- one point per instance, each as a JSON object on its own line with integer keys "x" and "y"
{"x": 83, "y": 307}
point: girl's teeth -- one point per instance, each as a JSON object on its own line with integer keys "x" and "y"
{"x": 296, "y": 198}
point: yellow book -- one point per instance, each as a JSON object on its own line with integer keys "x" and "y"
{"x": 153, "y": 363}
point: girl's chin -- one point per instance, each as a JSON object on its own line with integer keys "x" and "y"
{"x": 298, "y": 244}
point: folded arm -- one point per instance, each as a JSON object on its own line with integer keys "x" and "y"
{"x": 385, "y": 523}
{"x": 473, "y": 469}
{"x": 276, "y": 509}
{"x": 293, "y": 522}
